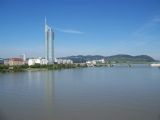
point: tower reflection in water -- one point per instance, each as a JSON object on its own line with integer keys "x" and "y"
{"x": 49, "y": 91}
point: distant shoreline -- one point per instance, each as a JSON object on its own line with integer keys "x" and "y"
{"x": 24, "y": 68}
{"x": 37, "y": 67}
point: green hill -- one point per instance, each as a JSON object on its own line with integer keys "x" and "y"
{"x": 114, "y": 58}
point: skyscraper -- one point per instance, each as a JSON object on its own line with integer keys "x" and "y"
{"x": 49, "y": 43}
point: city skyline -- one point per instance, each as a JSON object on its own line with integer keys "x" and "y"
{"x": 83, "y": 27}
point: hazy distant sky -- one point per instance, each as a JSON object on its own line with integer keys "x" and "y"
{"x": 104, "y": 27}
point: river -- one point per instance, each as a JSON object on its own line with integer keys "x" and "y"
{"x": 118, "y": 93}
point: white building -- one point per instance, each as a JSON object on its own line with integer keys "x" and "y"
{"x": 91, "y": 62}
{"x": 40, "y": 61}
{"x": 155, "y": 65}
{"x": 63, "y": 61}
{"x": 101, "y": 61}
{"x": 94, "y": 62}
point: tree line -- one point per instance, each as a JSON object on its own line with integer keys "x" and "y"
{"x": 19, "y": 68}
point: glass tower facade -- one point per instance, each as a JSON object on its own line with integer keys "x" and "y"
{"x": 49, "y": 43}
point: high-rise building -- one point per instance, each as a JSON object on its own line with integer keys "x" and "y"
{"x": 49, "y": 43}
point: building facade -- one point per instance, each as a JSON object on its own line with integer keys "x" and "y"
{"x": 6, "y": 61}
{"x": 49, "y": 43}
{"x": 1, "y": 61}
{"x": 40, "y": 61}
{"x": 23, "y": 56}
{"x": 94, "y": 62}
{"x": 63, "y": 61}
{"x": 15, "y": 61}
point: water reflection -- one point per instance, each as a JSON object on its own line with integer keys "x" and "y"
{"x": 49, "y": 93}
{"x": 43, "y": 83}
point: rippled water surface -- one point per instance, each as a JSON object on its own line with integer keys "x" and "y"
{"x": 118, "y": 93}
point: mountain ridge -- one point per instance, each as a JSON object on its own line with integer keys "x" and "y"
{"x": 115, "y": 58}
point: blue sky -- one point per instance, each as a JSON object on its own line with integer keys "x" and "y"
{"x": 104, "y": 27}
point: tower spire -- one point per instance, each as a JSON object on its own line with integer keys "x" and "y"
{"x": 45, "y": 20}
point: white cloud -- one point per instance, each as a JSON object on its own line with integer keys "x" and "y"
{"x": 71, "y": 31}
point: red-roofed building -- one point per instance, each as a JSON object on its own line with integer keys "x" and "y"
{"x": 16, "y": 61}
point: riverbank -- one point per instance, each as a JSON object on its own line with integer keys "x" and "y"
{"x": 38, "y": 67}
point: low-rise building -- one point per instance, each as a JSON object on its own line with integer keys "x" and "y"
{"x": 102, "y": 61}
{"x": 94, "y": 62}
{"x": 155, "y": 65}
{"x": 6, "y": 61}
{"x": 63, "y": 61}
{"x": 40, "y": 61}
{"x": 15, "y": 61}
{"x": 91, "y": 62}
{"x": 1, "y": 61}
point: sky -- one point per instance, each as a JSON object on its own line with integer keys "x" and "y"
{"x": 81, "y": 27}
